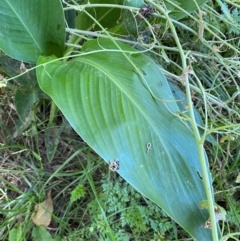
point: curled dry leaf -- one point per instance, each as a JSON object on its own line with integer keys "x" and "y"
{"x": 238, "y": 178}
{"x": 220, "y": 213}
{"x": 44, "y": 211}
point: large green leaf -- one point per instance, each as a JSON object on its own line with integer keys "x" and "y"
{"x": 30, "y": 28}
{"x": 131, "y": 23}
{"x": 41, "y": 234}
{"x": 106, "y": 16}
{"x": 110, "y": 100}
{"x": 188, "y": 6}
{"x": 28, "y": 91}
{"x": 16, "y": 234}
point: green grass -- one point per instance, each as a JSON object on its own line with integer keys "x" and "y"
{"x": 103, "y": 204}
{"x": 90, "y": 201}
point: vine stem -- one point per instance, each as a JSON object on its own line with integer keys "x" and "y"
{"x": 199, "y": 140}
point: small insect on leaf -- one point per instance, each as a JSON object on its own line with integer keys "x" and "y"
{"x": 44, "y": 211}
{"x": 149, "y": 146}
{"x": 114, "y": 165}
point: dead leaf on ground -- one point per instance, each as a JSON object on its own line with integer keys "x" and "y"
{"x": 238, "y": 178}
{"x": 44, "y": 211}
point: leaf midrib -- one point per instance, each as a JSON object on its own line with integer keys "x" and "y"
{"x": 23, "y": 24}
{"x": 123, "y": 90}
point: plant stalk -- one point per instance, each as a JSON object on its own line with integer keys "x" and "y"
{"x": 201, "y": 152}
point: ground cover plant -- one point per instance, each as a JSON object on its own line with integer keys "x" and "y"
{"x": 151, "y": 88}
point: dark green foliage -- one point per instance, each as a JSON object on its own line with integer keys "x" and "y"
{"x": 130, "y": 216}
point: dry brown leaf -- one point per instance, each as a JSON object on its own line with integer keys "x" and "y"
{"x": 220, "y": 213}
{"x": 44, "y": 211}
{"x": 238, "y": 178}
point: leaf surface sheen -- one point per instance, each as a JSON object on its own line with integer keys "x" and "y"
{"x": 121, "y": 106}
{"x": 30, "y": 28}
